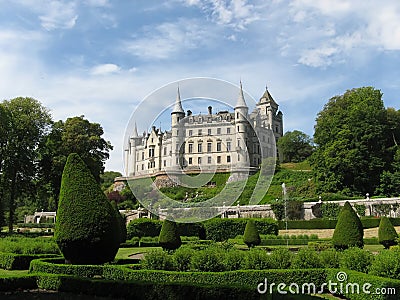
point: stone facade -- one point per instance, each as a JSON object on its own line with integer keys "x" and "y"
{"x": 222, "y": 142}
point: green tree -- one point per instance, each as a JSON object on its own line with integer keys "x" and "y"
{"x": 169, "y": 238}
{"x": 349, "y": 231}
{"x": 107, "y": 179}
{"x": 87, "y": 230}
{"x": 251, "y": 236}
{"x": 26, "y": 122}
{"x": 351, "y": 137}
{"x": 295, "y": 146}
{"x": 387, "y": 235}
{"x": 121, "y": 223}
{"x": 75, "y": 135}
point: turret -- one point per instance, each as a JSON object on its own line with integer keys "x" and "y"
{"x": 241, "y": 123}
{"x": 177, "y": 115}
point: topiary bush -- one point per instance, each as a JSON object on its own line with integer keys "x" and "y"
{"x": 257, "y": 259}
{"x": 251, "y": 237}
{"x": 330, "y": 258}
{"x": 306, "y": 259}
{"x": 281, "y": 258}
{"x": 386, "y": 264}
{"x": 182, "y": 258}
{"x": 210, "y": 259}
{"x": 157, "y": 260}
{"x": 86, "y": 229}
{"x": 121, "y": 223}
{"x": 387, "y": 235}
{"x": 349, "y": 230}
{"x": 143, "y": 227}
{"x": 356, "y": 259}
{"x": 169, "y": 238}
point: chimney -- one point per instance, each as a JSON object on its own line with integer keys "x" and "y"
{"x": 210, "y": 110}
{"x": 189, "y": 112}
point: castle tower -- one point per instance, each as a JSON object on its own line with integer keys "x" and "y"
{"x": 241, "y": 123}
{"x": 267, "y": 108}
{"x": 177, "y": 115}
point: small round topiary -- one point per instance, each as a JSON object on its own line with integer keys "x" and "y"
{"x": 169, "y": 238}
{"x": 251, "y": 237}
{"x": 387, "y": 235}
{"x": 349, "y": 231}
{"x": 86, "y": 229}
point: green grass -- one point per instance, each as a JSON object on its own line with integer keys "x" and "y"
{"x": 373, "y": 248}
{"x": 124, "y": 253}
{"x": 7, "y": 273}
{"x": 300, "y": 166}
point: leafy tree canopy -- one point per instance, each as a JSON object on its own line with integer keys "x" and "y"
{"x": 352, "y": 142}
{"x": 295, "y": 146}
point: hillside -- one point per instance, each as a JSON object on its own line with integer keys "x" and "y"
{"x": 298, "y": 178}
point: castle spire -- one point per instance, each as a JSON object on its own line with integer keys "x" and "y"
{"x": 135, "y": 132}
{"x": 241, "y": 102}
{"x": 178, "y": 105}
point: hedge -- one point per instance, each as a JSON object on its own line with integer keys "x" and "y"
{"x": 368, "y": 222}
{"x": 145, "y": 290}
{"x": 362, "y": 278}
{"x": 12, "y": 261}
{"x": 24, "y": 282}
{"x": 57, "y": 266}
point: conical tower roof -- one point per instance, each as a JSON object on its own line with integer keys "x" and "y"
{"x": 267, "y": 98}
{"x": 241, "y": 102}
{"x": 135, "y": 132}
{"x": 178, "y": 105}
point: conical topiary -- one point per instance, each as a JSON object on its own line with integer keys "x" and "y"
{"x": 387, "y": 235}
{"x": 349, "y": 231}
{"x": 169, "y": 239}
{"x": 86, "y": 229}
{"x": 251, "y": 237}
{"x": 121, "y": 223}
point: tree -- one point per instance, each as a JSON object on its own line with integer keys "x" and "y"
{"x": 107, "y": 179}
{"x": 351, "y": 137}
{"x": 86, "y": 228}
{"x": 387, "y": 235}
{"x": 295, "y": 146}
{"x": 26, "y": 122}
{"x": 169, "y": 238}
{"x": 251, "y": 236}
{"x": 349, "y": 231}
{"x": 76, "y": 135}
{"x": 121, "y": 223}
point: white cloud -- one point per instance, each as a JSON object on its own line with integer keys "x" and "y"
{"x": 105, "y": 69}
{"x": 98, "y": 3}
{"x": 168, "y": 39}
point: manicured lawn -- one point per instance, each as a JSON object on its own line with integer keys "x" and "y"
{"x": 124, "y": 253}
{"x": 6, "y": 273}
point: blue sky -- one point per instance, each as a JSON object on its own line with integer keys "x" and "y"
{"x": 100, "y": 58}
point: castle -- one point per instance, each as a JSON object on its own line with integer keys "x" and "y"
{"x": 220, "y": 142}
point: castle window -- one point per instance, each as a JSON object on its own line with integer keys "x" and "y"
{"x": 165, "y": 150}
{"x": 238, "y": 128}
{"x": 238, "y": 144}
{"x": 209, "y": 159}
{"x": 218, "y": 159}
{"x": 200, "y": 119}
{"x": 218, "y": 130}
{"x": 228, "y": 131}
{"x": 151, "y": 152}
{"x": 209, "y": 131}
{"x": 199, "y": 160}
{"x": 237, "y": 115}
{"x": 142, "y": 167}
{"x": 228, "y": 146}
{"x": 190, "y": 148}
{"x": 200, "y": 147}
{"x": 190, "y": 160}
{"x": 209, "y": 145}
{"x": 142, "y": 156}
{"x": 264, "y": 138}
{"x": 190, "y": 132}
{"x": 238, "y": 157}
{"x": 152, "y": 140}
{"x": 219, "y": 146}
{"x": 255, "y": 160}
{"x": 200, "y": 132}
{"x": 276, "y": 128}
{"x": 190, "y": 120}
{"x": 165, "y": 163}
{"x": 228, "y": 159}
{"x": 137, "y": 156}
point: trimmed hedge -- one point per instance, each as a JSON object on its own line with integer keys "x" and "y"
{"x": 12, "y": 261}
{"x": 57, "y": 266}
{"x": 223, "y": 229}
{"x": 24, "y": 282}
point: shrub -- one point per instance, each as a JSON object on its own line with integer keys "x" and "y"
{"x": 330, "y": 258}
{"x": 143, "y": 227}
{"x": 157, "y": 260}
{"x": 182, "y": 258}
{"x": 360, "y": 209}
{"x": 349, "y": 230}
{"x": 234, "y": 260}
{"x": 257, "y": 259}
{"x": 330, "y": 210}
{"x": 387, "y": 235}
{"x": 281, "y": 258}
{"x": 306, "y": 258}
{"x": 169, "y": 238}
{"x": 23, "y": 245}
{"x": 386, "y": 264}
{"x": 356, "y": 259}
{"x": 121, "y": 223}
{"x": 279, "y": 210}
{"x": 320, "y": 246}
{"x": 210, "y": 259}
{"x": 251, "y": 237}
{"x": 86, "y": 228}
